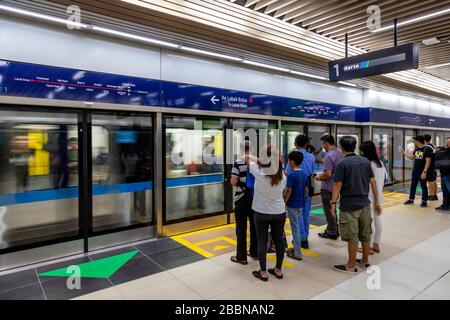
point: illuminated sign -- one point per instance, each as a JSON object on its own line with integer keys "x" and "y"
{"x": 389, "y": 60}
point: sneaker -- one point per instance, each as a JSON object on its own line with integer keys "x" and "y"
{"x": 424, "y": 204}
{"x": 407, "y": 202}
{"x": 326, "y": 235}
{"x": 305, "y": 244}
{"x": 442, "y": 208}
{"x": 343, "y": 268}
{"x": 362, "y": 265}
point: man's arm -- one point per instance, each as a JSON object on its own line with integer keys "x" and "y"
{"x": 427, "y": 166}
{"x": 376, "y": 205}
{"x": 335, "y": 196}
{"x": 324, "y": 176}
{"x": 410, "y": 156}
{"x": 234, "y": 181}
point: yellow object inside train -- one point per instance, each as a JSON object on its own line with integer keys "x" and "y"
{"x": 39, "y": 162}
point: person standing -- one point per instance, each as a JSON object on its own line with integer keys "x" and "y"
{"x": 368, "y": 151}
{"x": 269, "y": 209}
{"x": 432, "y": 175}
{"x": 301, "y": 142}
{"x": 296, "y": 192}
{"x": 443, "y": 163}
{"x": 332, "y": 158}
{"x": 243, "y": 208}
{"x": 353, "y": 178}
{"x": 422, "y": 162}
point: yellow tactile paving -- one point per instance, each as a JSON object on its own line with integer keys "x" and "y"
{"x": 220, "y": 240}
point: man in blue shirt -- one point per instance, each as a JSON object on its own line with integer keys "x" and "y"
{"x": 307, "y": 167}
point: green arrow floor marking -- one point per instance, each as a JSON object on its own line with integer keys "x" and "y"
{"x": 319, "y": 211}
{"x": 102, "y": 268}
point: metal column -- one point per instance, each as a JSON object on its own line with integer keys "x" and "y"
{"x": 158, "y": 176}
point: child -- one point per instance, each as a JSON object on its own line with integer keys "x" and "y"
{"x": 296, "y": 191}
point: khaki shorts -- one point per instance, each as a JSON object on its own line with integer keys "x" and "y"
{"x": 356, "y": 225}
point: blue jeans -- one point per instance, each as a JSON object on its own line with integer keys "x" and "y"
{"x": 306, "y": 219}
{"x": 415, "y": 180}
{"x": 296, "y": 219}
{"x": 445, "y": 186}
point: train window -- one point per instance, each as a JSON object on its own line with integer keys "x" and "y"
{"x": 122, "y": 170}
{"x": 315, "y": 133}
{"x": 194, "y": 167}
{"x": 38, "y": 177}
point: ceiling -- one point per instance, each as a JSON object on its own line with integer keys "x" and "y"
{"x": 335, "y": 18}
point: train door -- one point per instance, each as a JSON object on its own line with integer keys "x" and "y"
{"x": 194, "y": 180}
{"x": 40, "y": 201}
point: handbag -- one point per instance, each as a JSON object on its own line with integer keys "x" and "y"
{"x": 442, "y": 159}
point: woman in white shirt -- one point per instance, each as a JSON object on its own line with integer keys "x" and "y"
{"x": 368, "y": 150}
{"x": 269, "y": 209}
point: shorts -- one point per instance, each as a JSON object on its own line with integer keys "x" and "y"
{"x": 431, "y": 176}
{"x": 355, "y": 226}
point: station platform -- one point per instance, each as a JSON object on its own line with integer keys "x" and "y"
{"x": 414, "y": 263}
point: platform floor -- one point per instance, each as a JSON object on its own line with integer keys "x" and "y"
{"x": 414, "y": 264}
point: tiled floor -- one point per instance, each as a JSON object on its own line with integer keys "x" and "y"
{"x": 414, "y": 264}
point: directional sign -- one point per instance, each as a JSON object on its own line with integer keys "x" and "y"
{"x": 389, "y": 60}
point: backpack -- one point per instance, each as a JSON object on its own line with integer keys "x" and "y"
{"x": 442, "y": 159}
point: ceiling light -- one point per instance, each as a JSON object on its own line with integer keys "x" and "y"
{"x": 347, "y": 84}
{"x": 209, "y": 53}
{"x": 135, "y": 37}
{"x": 66, "y": 22}
{"x": 263, "y": 65}
{"x": 307, "y": 75}
{"x": 413, "y": 20}
{"x": 439, "y": 65}
{"x": 431, "y": 41}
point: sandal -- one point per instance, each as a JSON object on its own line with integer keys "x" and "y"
{"x": 290, "y": 253}
{"x": 253, "y": 257}
{"x": 362, "y": 265}
{"x": 272, "y": 272}
{"x": 235, "y": 260}
{"x": 257, "y": 274}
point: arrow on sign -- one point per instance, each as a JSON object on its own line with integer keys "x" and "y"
{"x": 214, "y": 100}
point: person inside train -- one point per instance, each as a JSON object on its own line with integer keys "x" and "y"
{"x": 432, "y": 175}
{"x": 422, "y": 162}
{"x": 243, "y": 208}
{"x": 301, "y": 142}
{"x": 368, "y": 150}
{"x": 443, "y": 164}
{"x": 269, "y": 208}
{"x": 332, "y": 158}
{"x": 19, "y": 155}
{"x": 295, "y": 195}
{"x": 353, "y": 178}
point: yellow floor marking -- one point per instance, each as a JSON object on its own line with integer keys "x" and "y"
{"x": 194, "y": 248}
{"x": 226, "y": 239}
{"x": 286, "y": 264}
{"x": 218, "y": 248}
{"x": 310, "y": 253}
{"x": 406, "y": 212}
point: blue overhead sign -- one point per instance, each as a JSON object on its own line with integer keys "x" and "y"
{"x": 37, "y": 81}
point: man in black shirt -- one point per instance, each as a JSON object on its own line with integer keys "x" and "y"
{"x": 445, "y": 179}
{"x": 431, "y": 175}
{"x": 353, "y": 178}
{"x": 422, "y": 162}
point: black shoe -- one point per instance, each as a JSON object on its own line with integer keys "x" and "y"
{"x": 326, "y": 235}
{"x": 252, "y": 257}
{"x": 305, "y": 244}
{"x": 408, "y": 202}
{"x": 442, "y": 208}
{"x": 424, "y": 204}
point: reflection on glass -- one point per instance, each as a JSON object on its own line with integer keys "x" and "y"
{"x": 194, "y": 167}
{"x": 316, "y": 132}
{"x": 382, "y": 140}
{"x": 288, "y": 134}
{"x": 38, "y": 176}
{"x": 122, "y": 170}
{"x": 352, "y": 131}
{"x": 397, "y": 171}
{"x": 409, "y": 147}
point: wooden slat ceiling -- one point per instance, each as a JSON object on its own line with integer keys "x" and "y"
{"x": 335, "y": 18}
{"x": 230, "y": 26}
